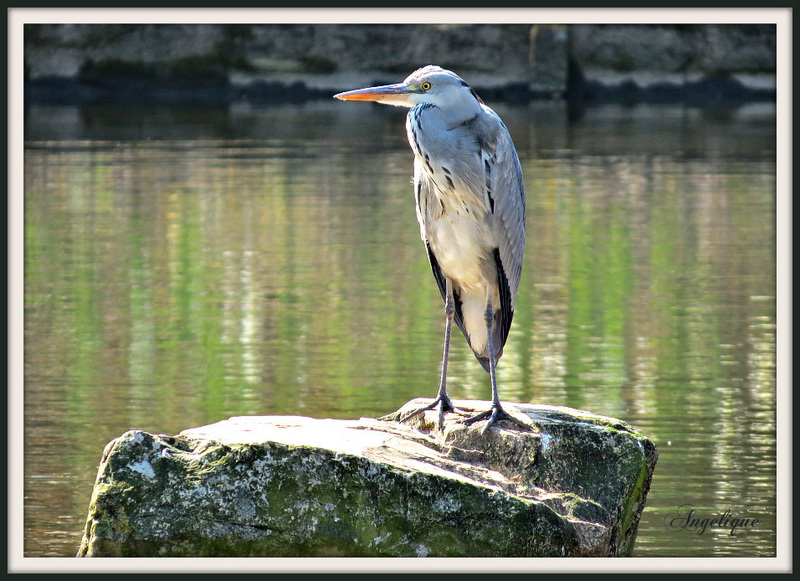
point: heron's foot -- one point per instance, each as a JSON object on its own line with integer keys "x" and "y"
{"x": 441, "y": 403}
{"x": 495, "y": 414}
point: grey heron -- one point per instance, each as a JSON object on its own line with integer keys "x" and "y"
{"x": 470, "y": 200}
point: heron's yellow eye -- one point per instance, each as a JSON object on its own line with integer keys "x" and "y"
{"x": 426, "y": 86}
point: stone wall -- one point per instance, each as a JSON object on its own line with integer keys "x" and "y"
{"x": 514, "y": 61}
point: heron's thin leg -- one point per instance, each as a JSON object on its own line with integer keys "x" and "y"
{"x": 489, "y": 316}
{"x": 442, "y": 401}
{"x": 496, "y": 412}
{"x": 449, "y": 313}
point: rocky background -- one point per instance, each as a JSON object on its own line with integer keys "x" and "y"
{"x": 219, "y": 63}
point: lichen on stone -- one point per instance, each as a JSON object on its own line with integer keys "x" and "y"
{"x": 573, "y": 485}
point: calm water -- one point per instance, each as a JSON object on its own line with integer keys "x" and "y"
{"x": 182, "y": 267}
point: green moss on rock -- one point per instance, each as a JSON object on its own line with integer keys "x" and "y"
{"x": 275, "y": 486}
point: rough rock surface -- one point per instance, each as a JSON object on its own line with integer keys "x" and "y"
{"x": 322, "y": 58}
{"x": 706, "y": 62}
{"x": 223, "y": 63}
{"x": 574, "y": 485}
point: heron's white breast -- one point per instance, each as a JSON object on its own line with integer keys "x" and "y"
{"x": 461, "y": 248}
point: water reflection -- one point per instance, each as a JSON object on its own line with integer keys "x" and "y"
{"x": 184, "y": 267}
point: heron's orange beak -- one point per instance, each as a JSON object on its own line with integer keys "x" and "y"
{"x": 396, "y": 94}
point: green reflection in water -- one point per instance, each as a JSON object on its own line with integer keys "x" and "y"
{"x": 175, "y": 283}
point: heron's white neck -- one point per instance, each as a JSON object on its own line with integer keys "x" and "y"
{"x": 450, "y": 109}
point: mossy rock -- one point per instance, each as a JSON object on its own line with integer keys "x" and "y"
{"x": 573, "y": 485}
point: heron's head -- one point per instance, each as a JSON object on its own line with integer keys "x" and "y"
{"x": 431, "y": 85}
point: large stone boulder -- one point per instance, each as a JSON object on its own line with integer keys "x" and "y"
{"x": 573, "y": 485}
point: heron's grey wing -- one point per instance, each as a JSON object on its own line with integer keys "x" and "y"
{"x": 505, "y": 189}
{"x": 508, "y": 193}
